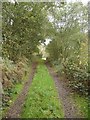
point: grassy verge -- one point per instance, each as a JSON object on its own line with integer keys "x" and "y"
{"x": 42, "y": 100}
{"x": 82, "y": 104}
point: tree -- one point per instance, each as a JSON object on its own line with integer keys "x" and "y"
{"x": 22, "y": 29}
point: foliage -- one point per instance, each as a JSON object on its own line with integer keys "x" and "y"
{"x": 22, "y": 31}
{"x": 12, "y": 77}
{"x": 42, "y": 99}
{"x": 12, "y": 73}
{"x": 24, "y": 27}
{"x": 78, "y": 78}
{"x": 68, "y": 49}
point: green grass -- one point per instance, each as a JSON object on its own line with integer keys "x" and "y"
{"x": 82, "y": 104}
{"x": 42, "y": 100}
{"x": 16, "y": 91}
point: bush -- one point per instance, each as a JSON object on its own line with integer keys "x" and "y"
{"x": 12, "y": 74}
{"x": 76, "y": 74}
{"x": 78, "y": 77}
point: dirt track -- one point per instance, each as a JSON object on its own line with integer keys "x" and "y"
{"x": 64, "y": 95}
{"x": 16, "y": 108}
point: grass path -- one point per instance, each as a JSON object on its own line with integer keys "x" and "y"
{"x": 46, "y": 97}
{"x": 42, "y": 100}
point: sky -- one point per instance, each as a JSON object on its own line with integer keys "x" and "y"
{"x": 83, "y": 1}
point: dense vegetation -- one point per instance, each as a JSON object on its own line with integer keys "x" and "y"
{"x": 22, "y": 29}
{"x": 68, "y": 49}
{"x": 13, "y": 78}
{"x": 26, "y": 25}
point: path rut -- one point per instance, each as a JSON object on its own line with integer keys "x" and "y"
{"x": 68, "y": 106}
{"x": 15, "y": 109}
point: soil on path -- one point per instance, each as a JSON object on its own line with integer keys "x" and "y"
{"x": 69, "y": 108}
{"x": 16, "y": 108}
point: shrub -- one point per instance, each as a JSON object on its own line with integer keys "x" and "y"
{"x": 12, "y": 74}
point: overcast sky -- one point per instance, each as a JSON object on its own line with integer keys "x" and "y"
{"x": 84, "y": 1}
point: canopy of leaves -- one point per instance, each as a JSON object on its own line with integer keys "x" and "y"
{"x": 23, "y": 28}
